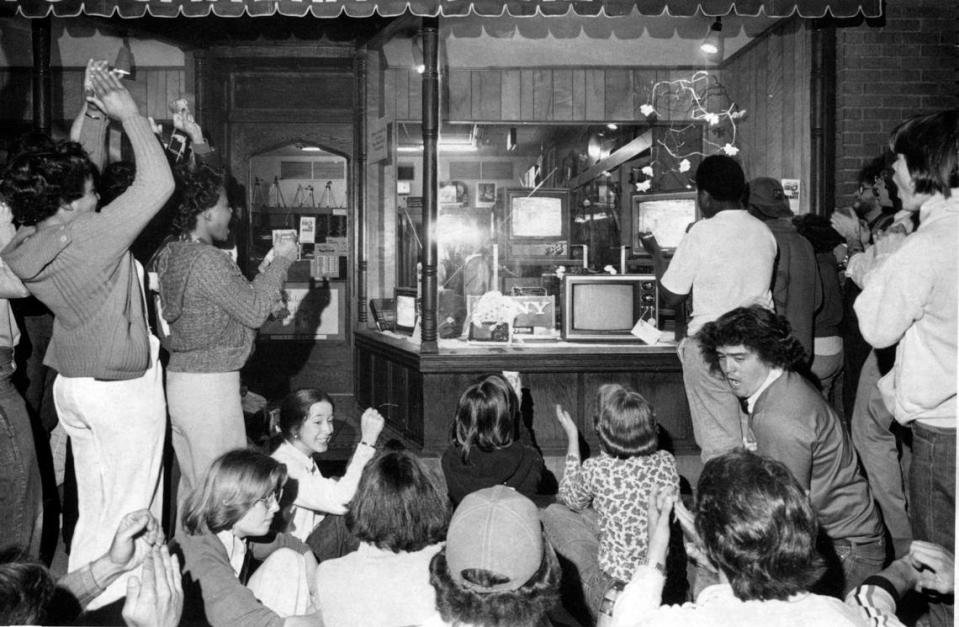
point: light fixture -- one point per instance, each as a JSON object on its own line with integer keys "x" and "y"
{"x": 713, "y": 44}
{"x": 612, "y": 126}
{"x": 416, "y": 45}
{"x": 123, "y": 66}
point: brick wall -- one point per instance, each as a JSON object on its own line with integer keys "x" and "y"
{"x": 888, "y": 70}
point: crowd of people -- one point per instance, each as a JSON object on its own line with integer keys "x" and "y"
{"x": 799, "y": 516}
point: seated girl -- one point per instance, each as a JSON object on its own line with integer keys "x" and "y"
{"x": 226, "y": 522}
{"x": 306, "y": 423}
{"x": 616, "y": 484}
{"x": 400, "y": 516}
{"x": 485, "y": 449}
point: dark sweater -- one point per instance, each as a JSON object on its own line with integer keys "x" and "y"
{"x": 518, "y": 466}
{"x": 797, "y": 291}
{"x": 793, "y": 424}
{"x": 85, "y": 274}
{"x": 212, "y": 309}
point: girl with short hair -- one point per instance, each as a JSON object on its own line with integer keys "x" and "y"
{"x": 227, "y": 520}
{"x": 604, "y": 499}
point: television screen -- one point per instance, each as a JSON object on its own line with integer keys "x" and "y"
{"x": 665, "y": 217}
{"x": 536, "y": 217}
{"x": 405, "y": 310}
{"x": 603, "y": 307}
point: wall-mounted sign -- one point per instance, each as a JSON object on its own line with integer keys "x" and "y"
{"x": 379, "y": 141}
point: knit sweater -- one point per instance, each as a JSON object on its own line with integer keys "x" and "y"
{"x": 226, "y": 599}
{"x": 84, "y": 273}
{"x": 212, "y": 309}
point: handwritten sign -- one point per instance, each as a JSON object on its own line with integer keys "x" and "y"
{"x": 379, "y": 141}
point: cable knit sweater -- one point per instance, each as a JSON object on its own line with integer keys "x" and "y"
{"x": 212, "y": 309}
{"x": 85, "y": 274}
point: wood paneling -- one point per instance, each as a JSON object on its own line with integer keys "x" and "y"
{"x": 152, "y": 88}
{"x": 771, "y": 80}
{"x": 539, "y": 94}
{"x": 426, "y": 387}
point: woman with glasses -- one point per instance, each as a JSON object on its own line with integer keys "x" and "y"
{"x": 306, "y": 424}
{"x": 210, "y": 313}
{"x": 226, "y": 522}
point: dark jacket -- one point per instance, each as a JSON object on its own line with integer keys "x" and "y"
{"x": 518, "y": 466}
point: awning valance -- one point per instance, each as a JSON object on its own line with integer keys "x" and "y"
{"x": 445, "y": 8}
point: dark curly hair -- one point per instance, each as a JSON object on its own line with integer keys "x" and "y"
{"x": 398, "y": 504}
{"x": 625, "y": 422}
{"x": 758, "y": 329}
{"x": 26, "y": 590}
{"x": 758, "y": 526}
{"x": 116, "y": 179}
{"x": 818, "y": 230}
{"x": 930, "y": 145}
{"x": 37, "y": 184}
{"x": 200, "y": 189}
{"x": 523, "y": 607}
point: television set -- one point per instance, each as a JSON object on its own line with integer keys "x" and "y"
{"x": 404, "y": 302}
{"x": 667, "y": 216}
{"x": 605, "y": 308}
{"x": 536, "y": 226}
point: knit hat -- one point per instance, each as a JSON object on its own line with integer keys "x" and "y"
{"x": 497, "y": 530}
{"x": 766, "y": 195}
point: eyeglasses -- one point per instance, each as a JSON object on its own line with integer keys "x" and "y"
{"x": 273, "y": 500}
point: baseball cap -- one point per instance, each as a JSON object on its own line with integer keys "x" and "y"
{"x": 766, "y": 195}
{"x": 497, "y": 530}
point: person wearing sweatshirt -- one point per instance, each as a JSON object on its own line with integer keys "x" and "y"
{"x": 213, "y": 313}
{"x": 109, "y": 390}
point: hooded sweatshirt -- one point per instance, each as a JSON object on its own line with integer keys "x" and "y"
{"x": 85, "y": 274}
{"x": 518, "y": 466}
{"x": 212, "y": 309}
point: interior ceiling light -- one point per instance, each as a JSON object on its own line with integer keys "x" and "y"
{"x": 714, "y": 39}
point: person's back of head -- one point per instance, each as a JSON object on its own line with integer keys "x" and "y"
{"x": 497, "y": 568}
{"x": 37, "y": 184}
{"x": 398, "y": 505}
{"x": 116, "y": 178}
{"x": 486, "y": 416}
{"x": 625, "y": 422}
{"x": 720, "y": 183}
{"x": 26, "y": 589}
{"x": 766, "y": 199}
{"x": 757, "y": 526}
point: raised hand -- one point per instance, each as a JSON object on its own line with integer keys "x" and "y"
{"x": 286, "y": 247}
{"x": 661, "y": 503}
{"x": 156, "y": 598}
{"x": 136, "y": 534}
{"x": 566, "y": 422}
{"x": 109, "y": 94}
{"x": 371, "y": 425}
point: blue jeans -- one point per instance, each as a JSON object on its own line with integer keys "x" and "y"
{"x": 932, "y": 496}
{"x": 859, "y": 560}
{"x": 575, "y": 537}
{"x": 21, "y": 494}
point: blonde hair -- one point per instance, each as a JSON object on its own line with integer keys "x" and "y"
{"x": 235, "y": 481}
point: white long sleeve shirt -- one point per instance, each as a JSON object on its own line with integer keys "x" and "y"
{"x": 317, "y": 495}
{"x": 910, "y": 298}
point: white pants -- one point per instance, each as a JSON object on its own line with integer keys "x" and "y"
{"x": 116, "y": 429}
{"x": 206, "y": 420}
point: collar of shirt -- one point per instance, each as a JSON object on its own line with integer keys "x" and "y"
{"x": 293, "y": 455}
{"x": 774, "y": 374}
{"x": 235, "y": 550}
